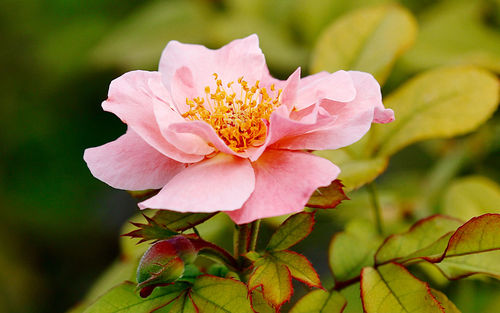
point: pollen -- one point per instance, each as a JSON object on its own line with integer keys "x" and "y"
{"x": 237, "y": 111}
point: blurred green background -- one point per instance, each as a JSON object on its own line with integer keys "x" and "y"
{"x": 60, "y": 226}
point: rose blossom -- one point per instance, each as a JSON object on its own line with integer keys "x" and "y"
{"x": 216, "y": 132}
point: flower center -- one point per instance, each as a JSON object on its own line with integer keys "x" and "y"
{"x": 238, "y": 115}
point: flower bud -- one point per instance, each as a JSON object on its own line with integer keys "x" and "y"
{"x": 163, "y": 263}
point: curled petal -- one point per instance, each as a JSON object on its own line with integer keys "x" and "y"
{"x": 353, "y": 119}
{"x": 131, "y": 98}
{"x": 284, "y": 182}
{"x": 222, "y": 183}
{"x": 130, "y": 163}
{"x": 337, "y": 86}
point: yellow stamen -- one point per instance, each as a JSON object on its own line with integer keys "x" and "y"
{"x": 239, "y": 122}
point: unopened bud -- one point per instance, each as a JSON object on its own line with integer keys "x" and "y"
{"x": 163, "y": 263}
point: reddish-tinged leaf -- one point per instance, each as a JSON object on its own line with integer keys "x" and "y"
{"x": 449, "y": 307}
{"x": 299, "y": 266}
{"x": 473, "y": 248}
{"x": 328, "y": 197}
{"x": 419, "y": 241}
{"x": 275, "y": 280}
{"x": 293, "y": 230}
{"x": 391, "y": 288}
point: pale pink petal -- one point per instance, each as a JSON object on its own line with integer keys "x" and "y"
{"x": 241, "y": 57}
{"x": 337, "y": 86}
{"x": 284, "y": 182}
{"x": 131, "y": 99}
{"x": 186, "y": 142}
{"x": 204, "y": 131}
{"x": 291, "y": 86}
{"x": 130, "y": 163}
{"x": 372, "y": 90}
{"x": 353, "y": 118}
{"x": 281, "y": 126}
{"x": 222, "y": 183}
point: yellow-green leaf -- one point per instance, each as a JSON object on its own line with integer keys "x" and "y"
{"x": 391, "y": 288}
{"x": 275, "y": 280}
{"x": 259, "y": 304}
{"x": 124, "y": 299}
{"x": 214, "y": 294}
{"x": 355, "y": 172}
{"x": 419, "y": 238}
{"x": 291, "y": 231}
{"x": 455, "y": 32}
{"x": 300, "y": 268}
{"x": 369, "y": 40}
{"x": 471, "y": 196}
{"x": 441, "y": 103}
{"x": 449, "y": 307}
{"x": 320, "y": 301}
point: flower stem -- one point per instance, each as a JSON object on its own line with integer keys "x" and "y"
{"x": 254, "y": 235}
{"x": 376, "y": 207}
{"x": 245, "y": 238}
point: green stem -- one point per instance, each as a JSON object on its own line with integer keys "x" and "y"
{"x": 254, "y": 235}
{"x": 376, "y": 207}
{"x": 245, "y": 238}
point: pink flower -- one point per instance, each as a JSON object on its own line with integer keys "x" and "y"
{"x": 216, "y": 132}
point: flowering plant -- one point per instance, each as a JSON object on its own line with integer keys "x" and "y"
{"x": 216, "y": 132}
{"x": 212, "y": 131}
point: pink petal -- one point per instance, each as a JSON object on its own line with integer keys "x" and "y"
{"x": 337, "y": 87}
{"x": 204, "y": 131}
{"x": 222, "y": 183}
{"x": 353, "y": 118}
{"x": 291, "y": 86}
{"x": 282, "y": 126}
{"x": 284, "y": 182}
{"x": 241, "y": 57}
{"x": 186, "y": 142}
{"x": 131, "y": 98}
{"x": 130, "y": 163}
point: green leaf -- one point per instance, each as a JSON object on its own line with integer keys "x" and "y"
{"x": 182, "y": 304}
{"x": 471, "y": 196}
{"x": 291, "y": 231}
{"x": 320, "y": 301}
{"x": 368, "y": 40}
{"x": 441, "y": 103}
{"x": 351, "y": 250}
{"x": 299, "y": 266}
{"x": 417, "y": 241}
{"x": 124, "y": 299}
{"x": 391, "y": 288}
{"x": 214, "y": 294}
{"x": 328, "y": 197}
{"x": 275, "y": 280}
{"x": 355, "y": 171}
{"x": 449, "y": 307}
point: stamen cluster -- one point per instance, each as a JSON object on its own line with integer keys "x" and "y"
{"x": 239, "y": 117}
